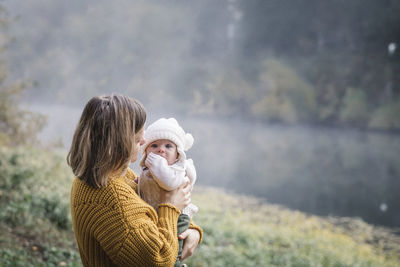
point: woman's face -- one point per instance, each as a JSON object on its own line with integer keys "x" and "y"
{"x": 139, "y": 141}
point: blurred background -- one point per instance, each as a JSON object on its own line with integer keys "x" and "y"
{"x": 296, "y": 102}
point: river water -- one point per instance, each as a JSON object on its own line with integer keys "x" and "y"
{"x": 323, "y": 171}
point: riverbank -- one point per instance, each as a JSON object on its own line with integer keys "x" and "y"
{"x": 238, "y": 230}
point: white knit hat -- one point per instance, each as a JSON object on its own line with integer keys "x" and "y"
{"x": 167, "y": 129}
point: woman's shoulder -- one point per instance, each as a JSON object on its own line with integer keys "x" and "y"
{"x": 131, "y": 204}
{"x": 117, "y": 189}
{"x": 83, "y": 194}
{"x": 125, "y": 184}
{"x": 130, "y": 174}
{"x": 130, "y": 178}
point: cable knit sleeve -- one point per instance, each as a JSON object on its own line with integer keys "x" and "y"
{"x": 198, "y": 228}
{"x": 150, "y": 239}
{"x": 114, "y": 226}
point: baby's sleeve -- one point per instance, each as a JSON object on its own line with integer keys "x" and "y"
{"x": 167, "y": 177}
{"x": 191, "y": 171}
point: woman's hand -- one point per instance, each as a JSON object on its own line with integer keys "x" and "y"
{"x": 179, "y": 197}
{"x": 192, "y": 238}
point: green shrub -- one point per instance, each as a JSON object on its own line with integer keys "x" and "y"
{"x": 34, "y": 209}
{"x": 354, "y": 110}
{"x": 25, "y": 176}
{"x": 17, "y": 126}
{"x": 387, "y": 116}
{"x": 286, "y": 96}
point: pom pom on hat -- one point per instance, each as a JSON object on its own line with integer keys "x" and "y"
{"x": 188, "y": 141}
{"x": 168, "y": 129}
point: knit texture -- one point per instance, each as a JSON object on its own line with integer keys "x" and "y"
{"x": 114, "y": 227}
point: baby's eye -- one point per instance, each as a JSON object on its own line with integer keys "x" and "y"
{"x": 154, "y": 145}
{"x": 168, "y": 146}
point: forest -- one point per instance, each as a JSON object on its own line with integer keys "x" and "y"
{"x": 304, "y": 61}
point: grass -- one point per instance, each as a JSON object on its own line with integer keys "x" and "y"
{"x": 35, "y": 222}
{"x": 36, "y": 228}
{"x": 243, "y": 231}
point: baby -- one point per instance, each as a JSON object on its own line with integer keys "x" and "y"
{"x": 164, "y": 165}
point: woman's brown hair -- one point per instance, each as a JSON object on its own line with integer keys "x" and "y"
{"x": 104, "y": 139}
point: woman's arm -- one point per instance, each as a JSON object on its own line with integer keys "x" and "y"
{"x": 151, "y": 239}
{"x": 193, "y": 237}
{"x": 139, "y": 236}
{"x": 198, "y": 229}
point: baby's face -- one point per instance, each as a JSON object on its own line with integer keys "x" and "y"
{"x": 165, "y": 148}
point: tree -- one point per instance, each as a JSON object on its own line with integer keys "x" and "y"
{"x": 333, "y": 45}
{"x": 17, "y": 126}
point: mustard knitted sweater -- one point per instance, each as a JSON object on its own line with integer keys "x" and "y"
{"x": 114, "y": 227}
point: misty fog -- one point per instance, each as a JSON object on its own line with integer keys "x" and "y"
{"x": 322, "y": 171}
{"x": 176, "y": 57}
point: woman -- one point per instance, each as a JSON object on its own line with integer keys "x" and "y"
{"x": 113, "y": 226}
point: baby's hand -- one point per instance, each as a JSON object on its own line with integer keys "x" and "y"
{"x": 154, "y": 160}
